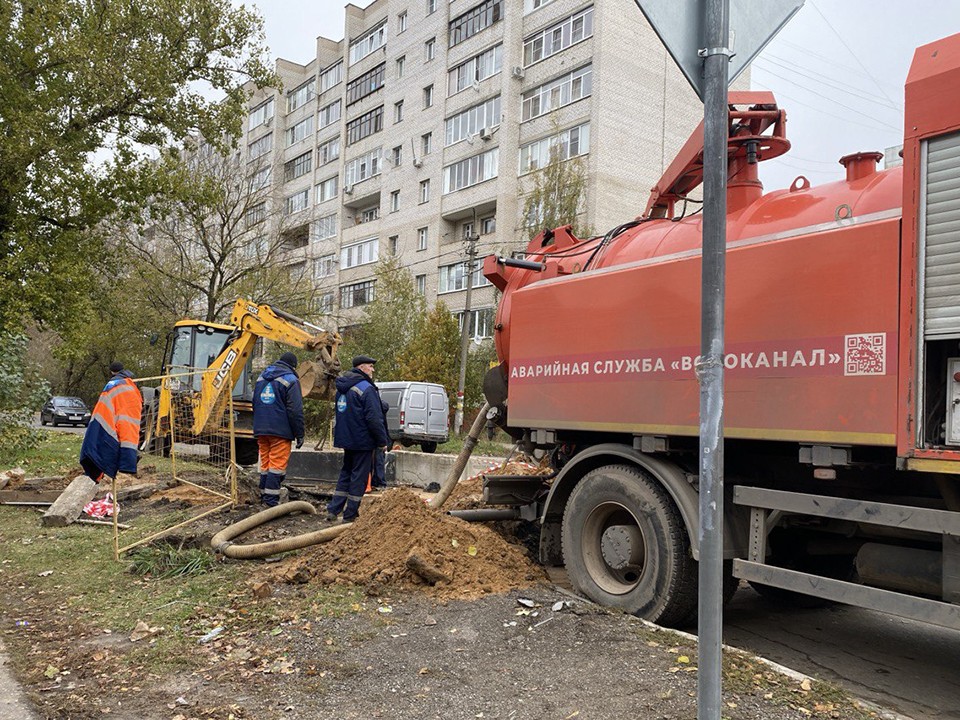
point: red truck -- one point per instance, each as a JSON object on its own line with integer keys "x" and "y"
{"x": 842, "y": 402}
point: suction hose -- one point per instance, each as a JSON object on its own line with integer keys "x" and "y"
{"x": 456, "y": 471}
{"x": 221, "y": 542}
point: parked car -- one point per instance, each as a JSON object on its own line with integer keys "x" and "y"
{"x": 67, "y": 410}
{"x": 418, "y": 414}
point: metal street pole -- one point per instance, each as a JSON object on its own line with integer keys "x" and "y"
{"x": 465, "y": 330}
{"x": 710, "y": 368}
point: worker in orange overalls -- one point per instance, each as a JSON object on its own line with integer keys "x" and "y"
{"x": 111, "y": 440}
{"x": 277, "y": 419}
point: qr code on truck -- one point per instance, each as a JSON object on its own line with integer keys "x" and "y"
{"x": 865, "y": 354}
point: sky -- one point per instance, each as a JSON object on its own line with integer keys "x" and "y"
{"x": 838, "y": 68}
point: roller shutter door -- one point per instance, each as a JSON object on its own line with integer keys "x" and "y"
{"x": 941, "y": 292}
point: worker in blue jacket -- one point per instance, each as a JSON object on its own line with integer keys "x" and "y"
{"x": 277, "y": 420}
{"x": 359, "y": 429}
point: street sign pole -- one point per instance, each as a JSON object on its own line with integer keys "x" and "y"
{"x": 710, "y": 368}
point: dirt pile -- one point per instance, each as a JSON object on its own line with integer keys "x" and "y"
{"x": 399, "y": 543}
{"x": 468, "y": 494}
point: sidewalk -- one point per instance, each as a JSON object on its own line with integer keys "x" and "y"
{"x": 13, "y": 704}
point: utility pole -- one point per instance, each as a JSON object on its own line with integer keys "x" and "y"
{"x": 471, "y": 239}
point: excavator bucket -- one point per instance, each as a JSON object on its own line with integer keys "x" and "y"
{"x": 316, "y": 381}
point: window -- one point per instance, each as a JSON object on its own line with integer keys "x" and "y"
{"x": 453, "y": 277}
{"x": 531, "y": 5}
{"x": 329, "y": 114}
{"x": 328, "y": 151}
{"x": 300, "y": 131}
{"x": 260, "y": 179}
{"x": 364, "y": 126}
{"x": 488, "y": 225}
{"x": 325, "y": 227}
{"x": 260, "y": 114}
{"x": 426, "y": 143}
{"x": 475, "y": 70}
{"x": 431, "y": 7}
{"x": 298, "y": 167}
{"x": 430, "y": 49}
{"x": 362, "y": 168}
{"x": 401, "y": 61}
{"x": 298, "y": 201}
{"x": 396, "y": 155}
{"x": 333, "y": 75}
{"x": 467, "y": 230}
{"x": 255, "y": 214}
{"x": 424, "y": 191}
{"x": 558, "y": 37}
{"x": 423, "y": 234}
{"x": 260, "y": 147}
{"x": 368, "y": 214}
{"x": 323, "y": 267}
{"x": 398, "y": 111}
{"x": 298, "y": 97}
{"x": 325, "y": 303}
{"x": 296, "y": 270}
{"x": 474, "y": 20}
{"x": 366, "y": 84}
{"x": 361, "y": 253}
{"x": 428, "y": 96}
{"x": 256, "y": 248}
{"x": 422, "y": 284}
{"x": 394, "y": 244}
{"x": 557, "y": 93}
{"x": 471, "y": 171}
{"x": 401, "y": 22}
{"x": 327, "y": 190}
{"x": 394, "y": 200}
{"x": 369, "y": 42}
{"x": 357, "y": 294}
{"x": 567, "y": 144}
{"x": 481, "y": 322}
{"x": 472, "y": 120}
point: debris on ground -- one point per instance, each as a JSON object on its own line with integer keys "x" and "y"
{"x": 399, "y": 543}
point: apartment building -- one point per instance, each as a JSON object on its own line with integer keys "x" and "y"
{"x": 418, "y": 133}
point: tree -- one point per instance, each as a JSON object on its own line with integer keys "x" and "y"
{"x": 432, "y": 354}
{"x": 556, "y": 198}
{"x": 82, "y": 78}
{"x": 389, "y": 323}
{"x": 218, "y": 232}
{"x": 22, "y": 392}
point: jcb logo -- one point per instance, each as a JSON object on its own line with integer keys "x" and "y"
{"x": 225, "y": 368}
{"x": 253, "y": 309}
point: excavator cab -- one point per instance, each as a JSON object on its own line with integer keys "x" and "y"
{"x": 193, "y": 346}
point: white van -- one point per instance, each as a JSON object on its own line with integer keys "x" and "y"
{"x": 419, "y": 413}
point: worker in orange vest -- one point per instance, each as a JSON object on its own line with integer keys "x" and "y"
{"x": 111, "y": 440}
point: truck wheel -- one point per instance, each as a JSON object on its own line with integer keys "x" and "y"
{"x": 428, "y": 447}
{"x": 247, "y": 451}
{"x": 625, "y": 545}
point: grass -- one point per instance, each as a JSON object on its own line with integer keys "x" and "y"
{"x": 498, "y": 447}
{"x": 58, "y": 453}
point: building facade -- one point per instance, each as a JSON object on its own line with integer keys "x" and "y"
{"x": 417, "y": 135}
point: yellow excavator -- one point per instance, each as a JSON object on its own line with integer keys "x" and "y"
{"x": 206, "y": 361}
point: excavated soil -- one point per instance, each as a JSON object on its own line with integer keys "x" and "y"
{"x": 375, "y": 553}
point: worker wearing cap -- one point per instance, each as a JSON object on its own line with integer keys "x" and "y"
{"x": 359, "y": 429}
{"x": 111, "y": 439}
{"x": 277, "y": 420}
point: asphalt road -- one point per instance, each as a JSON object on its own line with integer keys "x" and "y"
{"x": 75, "y": 429}
{"x": 910, "y": 667}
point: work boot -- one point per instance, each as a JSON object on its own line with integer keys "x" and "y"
{"x": 349, "y": 520}
{"x": 331, "y": 517}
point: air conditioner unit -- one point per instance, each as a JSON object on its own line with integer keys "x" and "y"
{"x": 348, "y": 189}
{"x": 417, "y": 163}
{"x": 517, "y": 72}
{"x": 485, "y": 134}
{"x": 268, "y": 122}
{"x": 476, "y": 85}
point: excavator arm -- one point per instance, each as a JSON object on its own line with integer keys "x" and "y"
{"x": 252, "y": 321}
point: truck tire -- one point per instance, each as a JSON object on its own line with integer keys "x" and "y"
{"x": 625, "y": 545}
{"x": 428, "y": 447}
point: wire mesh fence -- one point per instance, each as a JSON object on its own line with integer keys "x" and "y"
{"x": 188, "y": 434}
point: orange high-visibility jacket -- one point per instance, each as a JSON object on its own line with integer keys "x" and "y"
{"x": 110, "y": 443}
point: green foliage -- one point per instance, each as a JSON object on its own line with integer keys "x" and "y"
{"x": 22, "y": 392}
{"x": 433, "y": 354}
{"x": 556, "y": 198}
{"x": 164, "y": 561}
{"x": 478, "y": 362}
{"x": 79, "y": 78}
